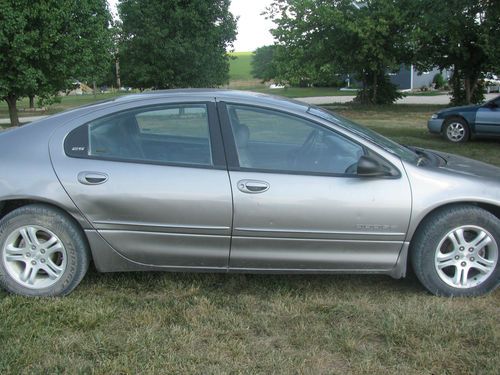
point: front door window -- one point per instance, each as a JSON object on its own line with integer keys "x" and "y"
{"x": 269, "y": 140}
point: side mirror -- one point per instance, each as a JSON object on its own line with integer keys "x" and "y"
{"x": 369, "y": 167}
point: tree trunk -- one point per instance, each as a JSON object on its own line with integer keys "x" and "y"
{"x": 467, "y": 87}
{"x": 95, "y": 89}
{"x": 117, "y": 67}
{"x": 375, "y": 83}
{"x": 473, "y": 86}
{"x": 12, "y": 103}
{"x": 32, "y": 101}
{"x": 363, "y": 95}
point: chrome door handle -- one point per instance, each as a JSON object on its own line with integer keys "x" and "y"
{"x": 252, "y": 186}
{"x": 92, "y": 178}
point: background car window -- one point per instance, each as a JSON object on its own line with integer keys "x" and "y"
{"x": 173, "y": 134}
{"x": 271, "y": 140}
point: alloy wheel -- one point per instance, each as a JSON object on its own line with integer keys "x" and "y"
{"x": 466, "y": 257}
{"x": 456, "y": 132}
{"x": 34, "y": 257}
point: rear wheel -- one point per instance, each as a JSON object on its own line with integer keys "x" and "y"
{"x": 43, "y": 252}
{"x": 456, "y": 251}
{"x": 456, "y": 130}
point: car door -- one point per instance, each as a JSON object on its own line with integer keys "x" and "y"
{"x": 488, "y": 118}
{"x": 152, "y": 181}
{"x": 298, "y": 204}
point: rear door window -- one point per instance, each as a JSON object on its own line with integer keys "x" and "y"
{"x": 172, "y": 134}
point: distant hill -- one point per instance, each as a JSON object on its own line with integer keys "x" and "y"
{"x": 240, "y": 67}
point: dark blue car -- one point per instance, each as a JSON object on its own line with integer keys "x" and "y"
{"x": 459, "y": 124}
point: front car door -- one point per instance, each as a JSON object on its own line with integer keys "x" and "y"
{"x": 151, "y": 178}
{"x": 298, "y": 203}
{"x": 488, "y": 118}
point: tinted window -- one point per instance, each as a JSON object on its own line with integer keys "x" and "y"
{"x": 169, "y": 134}
{"x": 270, "y": 140}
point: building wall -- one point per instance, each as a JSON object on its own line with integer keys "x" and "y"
{"x": 408, "y": 78}
{"x": 402, "y": 78}
{"x": 423, "y": 79}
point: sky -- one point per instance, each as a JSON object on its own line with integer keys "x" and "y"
{"x": 253, "y": 28}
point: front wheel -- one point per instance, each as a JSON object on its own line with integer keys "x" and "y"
{"x": 456, "y": 130}
{"x": 43, "y": 252}
{"x": 455, "y": 252}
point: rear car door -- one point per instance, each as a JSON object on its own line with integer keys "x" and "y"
{"x": 152, "y": 180}
{"x": 298, "y": 204}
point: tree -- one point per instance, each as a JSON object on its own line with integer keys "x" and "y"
{"x": 46, "y": 44}
{"x": 117, "y": 37}
{"x": 172, "y": 43}
{"x": 335, "y": 36}
{"x": 263, "y": 66}
{"x": 461, "y": 34}
{"x": 90, "y": 27}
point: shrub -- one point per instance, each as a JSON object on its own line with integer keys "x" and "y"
{"x": 439, "y": 81}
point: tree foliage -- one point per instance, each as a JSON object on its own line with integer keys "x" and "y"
{"x": 47, "y": 44}
{"x": 461, "y": 34}
{"x": 173, "y": 43}
{"x": 334, "y": 36}
{"x": 263, "y": 63}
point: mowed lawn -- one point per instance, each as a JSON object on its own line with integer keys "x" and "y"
{"x": 240, "y": 66}
{"x": 220, "y": 323}
{"x": 240, "y": 77}
{"x": 66, "y": 102}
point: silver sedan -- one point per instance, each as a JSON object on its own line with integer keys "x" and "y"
{"x": 224, "y": 181}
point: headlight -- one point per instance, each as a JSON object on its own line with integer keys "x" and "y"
{"x": 434, "y": 116}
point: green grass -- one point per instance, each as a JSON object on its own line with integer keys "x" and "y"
{"x": 240, "y": 66}
{"x": 220, "y": 323}
{"x": 240, "y": 77}
{"x": 188, "y": 323}
{"x": 407, "y": 124}
{"x": 67, "y": 102}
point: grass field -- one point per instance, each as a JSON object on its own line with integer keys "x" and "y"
{"x": 240, "y": 77}
{"x": 407, "y": 124}
{"x": 250, "y": 85}
{"x": 258, "y": 324}
{"x": 67, "y": 102}
{"x": 240, "y": 66}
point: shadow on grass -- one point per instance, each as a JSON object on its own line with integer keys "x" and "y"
{"x": 251, "y": 284}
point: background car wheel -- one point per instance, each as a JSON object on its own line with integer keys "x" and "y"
{"x": 456, "y": 130}
{"x": 43, "y": 252}
{"x": 455, "y": 252}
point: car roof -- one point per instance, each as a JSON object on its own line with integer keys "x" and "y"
{"x": 219, "y": 94}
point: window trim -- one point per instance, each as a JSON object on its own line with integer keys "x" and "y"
{"x": 215, "y": 138}
{"x": 232, "y": 154}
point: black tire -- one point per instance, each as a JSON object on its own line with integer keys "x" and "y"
{"x": 456, "y": 130}
{"x": 434, "y": 230}
{"x": 68, "y": 233}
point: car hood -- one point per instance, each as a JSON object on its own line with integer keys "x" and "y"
{"x": 464, "y": 108}
{"x": 468, "y": 167}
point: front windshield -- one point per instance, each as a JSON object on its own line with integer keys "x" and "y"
{"x": 395, "y": 148}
